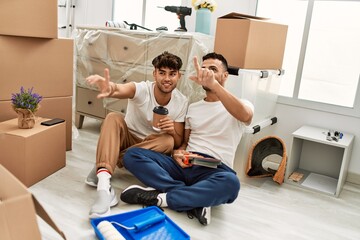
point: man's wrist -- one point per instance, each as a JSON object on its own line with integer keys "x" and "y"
{"x": 182, "y": 147}
{"x": 112, "y": 88}
{"x": 216, "y": 87}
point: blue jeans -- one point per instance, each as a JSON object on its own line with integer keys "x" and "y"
{"x": 186, "y": 188}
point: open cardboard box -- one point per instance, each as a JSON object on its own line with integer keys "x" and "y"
{"x": 18, "y": 209}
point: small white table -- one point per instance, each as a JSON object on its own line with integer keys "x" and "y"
{"x": 323, "y": 163}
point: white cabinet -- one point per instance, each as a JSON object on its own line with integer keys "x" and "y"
{"x": 323, "y": 164}
{"x": 128, "y": 54}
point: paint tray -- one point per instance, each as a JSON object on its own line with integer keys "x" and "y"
{"x": 148, "y": 223}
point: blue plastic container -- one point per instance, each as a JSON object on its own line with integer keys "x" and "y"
{"x": 147, "y": 223}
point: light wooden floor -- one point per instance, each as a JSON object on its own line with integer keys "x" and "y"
{"x": 263, "y": 210}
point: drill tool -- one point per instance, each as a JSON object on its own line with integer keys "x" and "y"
{"x": 181, "y": 12}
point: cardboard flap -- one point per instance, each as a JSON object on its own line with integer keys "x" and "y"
{"x": 8, "y": 189}
{"x": 5, "y": 234}
{"x": 234, "y": 15}
{"x": 43, "y": 214}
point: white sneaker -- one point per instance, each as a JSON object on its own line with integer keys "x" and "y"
{"x": 102, "y": 204}
{"x": 92, "y": 179}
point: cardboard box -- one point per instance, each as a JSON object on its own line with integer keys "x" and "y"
{"x": 57, "y": 107}
{"x": 45, "y": 64}
{"x": 60, "y": 107}
{"x": 32, "y": 154}
{"x": 250, "y": 42}
{"x": 32, "y": 18}
{"x": 18, "y": 208}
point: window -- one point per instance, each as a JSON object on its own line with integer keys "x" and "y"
{"x": 322, "y": 54}
{"x": 147, "y": 13}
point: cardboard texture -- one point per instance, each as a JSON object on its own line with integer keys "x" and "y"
{"x": 60, "y": 107}
{"x": 57, "y": 107}
{"x": 45, "y": 64}
{"x": 32, "y": 154}
{"x": 31, "y": 18}
{"x": 250, "y": 42}
{"x": 18, "y": 208}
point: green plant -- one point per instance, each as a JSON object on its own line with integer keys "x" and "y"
{"x": 26, "y": 99}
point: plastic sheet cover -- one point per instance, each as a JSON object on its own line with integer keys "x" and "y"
{"x": 128, "y": 55}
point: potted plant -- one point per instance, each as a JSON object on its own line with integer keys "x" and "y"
{"x": 25, "y": 104}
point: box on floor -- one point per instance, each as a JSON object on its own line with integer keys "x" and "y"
{"x": 250, "y": 42}
{"x": 18, "y": 209}
{"x": 31, "y": 18}
{"x": 32, "y": 154}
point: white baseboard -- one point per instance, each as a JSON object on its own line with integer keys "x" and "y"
{"x": 353, "y": 178}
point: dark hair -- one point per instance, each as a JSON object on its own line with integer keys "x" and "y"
{"x": 214, "y": 55}
{"x": 168, "y": 60}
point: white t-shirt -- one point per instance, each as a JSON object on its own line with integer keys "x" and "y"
{"x": 139, "y": 113}
{"x": 214, "y": 131}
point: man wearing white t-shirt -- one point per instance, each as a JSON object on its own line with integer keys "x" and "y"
{"x": 213, "y": 129}
{"x": 119, "y": 133}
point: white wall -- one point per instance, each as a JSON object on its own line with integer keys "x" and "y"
{"x": 96, "y": 13}
{"x": 86, "y": 12}
{"x": 92, "y": 12}
{"x": 224, "y": 7}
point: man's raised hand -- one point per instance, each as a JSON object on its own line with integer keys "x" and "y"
{"x": 103, "y": 83}
{"x": 205, "y": 77}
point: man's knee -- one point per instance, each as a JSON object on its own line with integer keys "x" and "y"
{"x": 114, "y": 116}
{"x": 233, "y": 186}
{"x": 163, "y": 142}
{"x": 167, "y": 141}
{"x": 113, "y": 121}
{"x": 232, "y": 182}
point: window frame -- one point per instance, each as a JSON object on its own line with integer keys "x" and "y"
{"x": 313, "y": 105}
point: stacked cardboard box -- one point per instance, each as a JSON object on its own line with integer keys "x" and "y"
{"x": 32, "y": 55}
